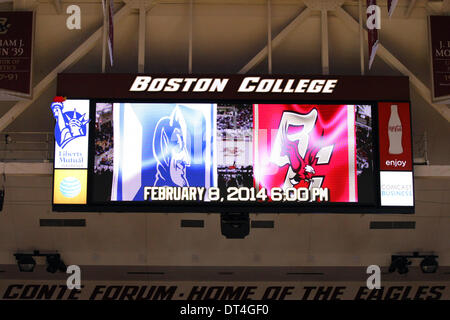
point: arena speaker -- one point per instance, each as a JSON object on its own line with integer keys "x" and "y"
{"x": 235, "y": 225}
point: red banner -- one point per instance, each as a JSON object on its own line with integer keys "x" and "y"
{"x": 16, "y": 42}
{"x": 306, "y": 146}
{"x": 440, "y": 57}
{"x": 395, "y": 136}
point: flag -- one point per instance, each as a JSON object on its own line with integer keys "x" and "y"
{"x": 391, "y": 6}
{"x": 372, "y": 36}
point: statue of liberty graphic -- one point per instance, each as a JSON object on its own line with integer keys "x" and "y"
{"x": 69, "y": 124}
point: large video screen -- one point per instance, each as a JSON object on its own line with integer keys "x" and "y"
{"x": 228, "y": 153}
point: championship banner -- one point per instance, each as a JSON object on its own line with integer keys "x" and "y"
{"x": 440, "y": 57}
{"x": 16, "y": 48}
{"x": 156, "y": 148}
{"x": 372, "y": 36}
{"x": 303, "y": 146}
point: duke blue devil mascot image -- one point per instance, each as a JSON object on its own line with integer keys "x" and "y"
{"x": 162, "y": 144}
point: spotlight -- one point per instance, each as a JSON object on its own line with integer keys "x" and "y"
{"x": 429, "y": 264}
{"x": 54, "y": 263}
{"x": 399, "y": 263}
{"x": 25, "y": 262}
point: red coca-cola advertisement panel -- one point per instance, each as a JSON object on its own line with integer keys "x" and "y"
{"x": 395, "y": 136}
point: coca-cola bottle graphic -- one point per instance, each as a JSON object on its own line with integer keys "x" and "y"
{"x": 395, "y": 132}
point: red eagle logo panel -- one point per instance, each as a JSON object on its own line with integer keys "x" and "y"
{"x": 306, "y": 146}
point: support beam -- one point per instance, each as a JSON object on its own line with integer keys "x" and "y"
{"x": 410, "y": 8}
{"x": 141, "y": 43}
{"x": 392, "y": 61}
{"x": 76, "y": 55}
{"x": 432, "y": 8}
{"x": 277, "y": 40}
{"x": 325, "y": 42}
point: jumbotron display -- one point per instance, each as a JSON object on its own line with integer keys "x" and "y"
{"x": 255, "y": 156}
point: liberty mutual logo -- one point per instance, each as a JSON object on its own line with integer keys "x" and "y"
{"x": 4, "y": 25}
{"x": 69, "y": 124}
